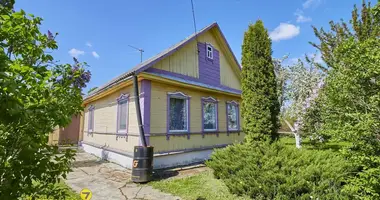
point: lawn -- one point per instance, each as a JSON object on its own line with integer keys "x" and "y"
{"x": 204, "y": 186}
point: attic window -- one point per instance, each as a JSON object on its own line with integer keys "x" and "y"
{"x": 209, "y": 51}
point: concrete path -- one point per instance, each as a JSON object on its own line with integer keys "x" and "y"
{"x": 109, "y": 181}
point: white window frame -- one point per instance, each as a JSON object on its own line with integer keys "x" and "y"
{"x": 209, "y": 51}
{"x": 236, "y": 104}
{"x": 124, "y": 98}
{"x": 178, "y": 95}
{"x": 215, "y": 102}
{"x": 91, "y": 116}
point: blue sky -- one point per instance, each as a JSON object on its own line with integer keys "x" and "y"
{"x": 99, "y": 32}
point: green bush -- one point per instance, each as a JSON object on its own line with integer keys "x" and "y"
{"x": 276, "y": 171}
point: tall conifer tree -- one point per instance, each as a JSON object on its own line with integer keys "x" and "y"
{"x": 260, "y": 107}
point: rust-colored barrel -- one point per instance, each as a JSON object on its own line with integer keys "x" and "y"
{"x": 142, "y": 165}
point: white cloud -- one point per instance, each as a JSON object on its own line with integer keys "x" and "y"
{"x": 317, "y": 57}
{"x": 309, "y": 3}
{"x": 88, "y": 44}
{"x": 300, "y": 17}
{"x": 284, "y": 31}
{"x": 96, "y": 55}
{"x": 75, "y": 52}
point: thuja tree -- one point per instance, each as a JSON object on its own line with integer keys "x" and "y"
{"x": 260, "y": 107}
{"x": 350, "y": 109}
{"x": 36, "y": 95}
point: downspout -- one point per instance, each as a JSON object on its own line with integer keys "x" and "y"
{"x": 138, "y": 110}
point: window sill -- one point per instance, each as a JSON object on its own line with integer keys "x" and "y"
{"x": 121, "y": 132}
{"x": 178, "y": 132}
{"x": 211, "y": 131}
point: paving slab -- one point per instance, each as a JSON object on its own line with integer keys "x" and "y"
{"x": 107, "y": 180}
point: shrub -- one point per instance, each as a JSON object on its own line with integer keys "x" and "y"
{"x": 276, "y": 171}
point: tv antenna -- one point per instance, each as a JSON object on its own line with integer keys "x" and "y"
{"x": 138, "y": 49}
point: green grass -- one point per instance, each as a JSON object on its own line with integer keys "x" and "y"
{"x": 306, "y": 144}
{"x": 202, "y": 186}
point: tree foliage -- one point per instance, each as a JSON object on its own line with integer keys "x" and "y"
{"x": 350, "y": 104}
{"x": 260, "y": 107}
{"x": 36, "y": 95}
{"x": 362, "y": 26}
{"x": 351, "y": 110}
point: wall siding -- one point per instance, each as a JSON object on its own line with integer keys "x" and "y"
{"x": 209, "y": 70}
{"x": 158, "y": 120}
{"x": 105, "y": 122}
{"x": 227, "y": 75}
{"x": 188, "y": 61}
{"x": 184, "y": 61}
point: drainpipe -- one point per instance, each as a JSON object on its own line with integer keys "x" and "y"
{"x": 142, "y": 165}
{"x": 138, "y": 110}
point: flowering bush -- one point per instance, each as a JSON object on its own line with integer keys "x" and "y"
{"x": 36, "y": 95}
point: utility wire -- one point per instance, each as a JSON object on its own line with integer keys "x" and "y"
{"x": 195, "y": 24}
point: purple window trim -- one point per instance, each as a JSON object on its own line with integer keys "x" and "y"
{"x": 237, "y": 115}
{"x": 179, "y": 95}
{"x": 145, "y": 98}
{"x": 212, "y": 100}
{"x": 123, "y": 98}
{"x": 91, "y": 111}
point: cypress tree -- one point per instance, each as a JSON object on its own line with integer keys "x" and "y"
{"x": 260, "y": 106}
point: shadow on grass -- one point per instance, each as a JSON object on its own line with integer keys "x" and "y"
{"x": 164, "y": 174}
{"x": 178, "y": 171}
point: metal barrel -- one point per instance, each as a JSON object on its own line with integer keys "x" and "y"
{"x": 142, "y": 165}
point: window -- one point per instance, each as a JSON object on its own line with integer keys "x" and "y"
{"x": 122, "y": 113}
{"x": 210, "y": 114}
{"x": 91, "y": 110}
{"x": 178, "y": 112}
{"x": 232, "y": 116}
{"x": 209, "y": 51}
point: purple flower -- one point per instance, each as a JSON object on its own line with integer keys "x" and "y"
{"x": 50, "y": 36}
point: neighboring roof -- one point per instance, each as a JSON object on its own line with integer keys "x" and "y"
{"x": 151, "y": 61}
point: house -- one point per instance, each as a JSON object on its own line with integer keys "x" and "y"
{"x": 190, "y": 97}
{"x": 67, "y": 135}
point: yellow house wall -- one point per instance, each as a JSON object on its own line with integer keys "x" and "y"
{"x": 185, "y": 61}
{"x": 158, "y": 120}
{"x": 105, "y": 122}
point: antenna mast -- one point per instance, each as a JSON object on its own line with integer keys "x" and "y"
{"x": 138, "y": 49}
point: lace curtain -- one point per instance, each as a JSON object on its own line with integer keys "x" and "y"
{"x": 209, "y": 116}
{"x": 178, "y": 114}
{"x": 232, "y": 116}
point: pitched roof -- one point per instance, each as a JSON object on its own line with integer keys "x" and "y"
{"x": 152, "y": 60}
